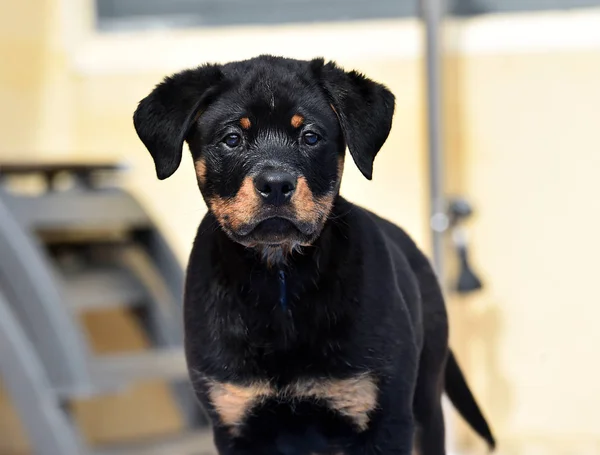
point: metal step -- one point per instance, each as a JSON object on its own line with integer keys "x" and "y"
{"x": 51, "y": 168}
{"x": 102, "y": 288}
{"x": 24, "y": 379}
{"x": 71, "y": 240}
{"x": 118, "y": 370}
{"x": 199, "y": 443}
{"x": 79, "y": 209}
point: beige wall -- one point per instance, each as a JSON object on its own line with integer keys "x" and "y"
{"x": 522, "y": 142}
{"x": 530, "y": 164}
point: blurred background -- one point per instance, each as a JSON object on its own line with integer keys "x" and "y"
{"x": 91, "y": 257}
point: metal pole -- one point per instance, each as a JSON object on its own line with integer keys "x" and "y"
{"x": 432, "y": 11}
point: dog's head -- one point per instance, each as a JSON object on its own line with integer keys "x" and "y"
{"x": 268, "y": 137}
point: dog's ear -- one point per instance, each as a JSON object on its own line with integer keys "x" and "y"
{"x": 164, "y": 118}
{"x": 365, "y": 109}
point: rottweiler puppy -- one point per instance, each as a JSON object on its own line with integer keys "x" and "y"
{"x": 312, "y": 326}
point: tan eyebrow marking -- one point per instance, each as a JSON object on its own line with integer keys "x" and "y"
{"x": 297, "y": 120}
{"x": 245, "y": 123}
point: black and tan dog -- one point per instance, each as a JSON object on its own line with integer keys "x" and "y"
{"x": 312, "y": 325}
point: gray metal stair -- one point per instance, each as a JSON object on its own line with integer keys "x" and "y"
{"x": 163, "y": 363}
{"x": 78, "y": 209}
{"x": 90, "y": 247}
{"x": 25, "y": 380}
{"x": 199, "y": 443}
{"x": 115, "y": 372}
{"x": 102, "y": 288}
{"x": 40, "y": 410}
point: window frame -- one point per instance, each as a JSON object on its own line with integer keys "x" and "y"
{"x": 136, "y": 15}
{"x": 91, "y": 52}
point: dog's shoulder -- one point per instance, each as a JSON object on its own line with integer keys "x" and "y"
{"x": 387, "y": 250}
{"x": 373, "y": 229}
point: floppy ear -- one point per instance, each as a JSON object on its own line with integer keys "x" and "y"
{"x": 164, "y": 118}
{"x": 365, "y": 109}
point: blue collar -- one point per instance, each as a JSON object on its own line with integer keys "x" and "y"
{"x": 282, "y": 290}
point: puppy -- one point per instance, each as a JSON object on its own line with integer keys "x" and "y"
{"x": 312, "y": 325}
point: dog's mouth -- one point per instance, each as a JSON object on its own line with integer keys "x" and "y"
{"x": 275, "y": 231}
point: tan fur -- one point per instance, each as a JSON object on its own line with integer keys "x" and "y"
{"x": 234, "y": 402}
{"x": 243, "y": 207}
{"x": 309, "y": 208}
{"x": 200, "y": 166}
{"x": 240, "y": 209}
{"x": 245, "y": 123}
{"x": 303, "y": 200}
{"x": 297, "y": 120}
{"x": 340, "y": 168}
{"x": 354, "y": 397}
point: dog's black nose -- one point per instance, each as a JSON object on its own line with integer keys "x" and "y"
{"x": 275, "y": 187}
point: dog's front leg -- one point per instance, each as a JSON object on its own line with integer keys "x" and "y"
{"x": 225, "y": 444}
{"x": 393, "y": 435}
{"x": 391, "y": 429}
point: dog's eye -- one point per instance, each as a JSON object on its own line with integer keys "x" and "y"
{"x": 310, "y": 138}
{"x": 232, "y": 140}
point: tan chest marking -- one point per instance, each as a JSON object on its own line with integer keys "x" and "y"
{"x": 234, "y": 402}
{"x": 354, "y": 397}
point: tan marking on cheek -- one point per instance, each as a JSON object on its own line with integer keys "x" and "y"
{"x": 303, "y": 201}
{"x": 308, "y": 208}
{"x": 239, "y": 210}
{"x": 354, "y": 398}
{"x": 245, "y": 123}
{"x": 297, "y": 120}
{"x": 233, "y": 402}
{"x": 200, "y": 166}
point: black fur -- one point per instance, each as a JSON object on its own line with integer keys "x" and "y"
{"x": 163, "y": 119}
{"x": 360, "y": 297}
{"x": 365, "y": 111}
{"x": 464, "y": 401}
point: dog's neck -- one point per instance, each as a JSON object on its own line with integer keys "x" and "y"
{"x": 281, "y": 271}
{"x": 283, "y": 297}
{"x": 277, "y": 256}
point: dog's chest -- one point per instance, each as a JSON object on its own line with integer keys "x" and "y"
{"x": 289, "y": 342}
{"x": 352, "y": 399}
